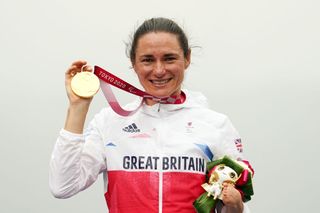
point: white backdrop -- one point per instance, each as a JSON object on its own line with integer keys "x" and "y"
{"x": 258, "y": 63}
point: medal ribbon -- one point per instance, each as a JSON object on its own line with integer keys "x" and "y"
{"x": 106, "y": 79}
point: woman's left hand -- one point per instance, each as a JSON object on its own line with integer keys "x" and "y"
{"x": 231, "y": 198}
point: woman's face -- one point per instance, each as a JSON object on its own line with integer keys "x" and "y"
{"x": 160, "y": 64}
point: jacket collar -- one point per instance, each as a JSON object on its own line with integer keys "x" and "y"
{"x": 193, "y": 100}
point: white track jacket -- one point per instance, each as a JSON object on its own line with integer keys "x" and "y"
{"x": 153, "y": 161}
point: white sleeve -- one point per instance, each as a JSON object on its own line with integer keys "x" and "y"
{"x": 231, "y": 145}
{"x": 76, "y": 162}
{"x": 229, "y": 142}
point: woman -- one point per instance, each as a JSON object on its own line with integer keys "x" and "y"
{"x": 159, "y": 165}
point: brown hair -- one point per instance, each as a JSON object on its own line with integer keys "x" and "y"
{"x": 158, "y": 25}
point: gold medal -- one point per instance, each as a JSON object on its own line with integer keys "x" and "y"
{"x": 85, "y": 84}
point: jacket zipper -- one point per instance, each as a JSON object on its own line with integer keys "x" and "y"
{"x": 160, "y": 129}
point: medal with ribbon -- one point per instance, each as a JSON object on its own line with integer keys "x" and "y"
{"x": 106, "y": 79}
{"x": 86, "y": 84}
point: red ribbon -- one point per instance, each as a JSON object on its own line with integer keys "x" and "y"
{"x": 107, "y": 78}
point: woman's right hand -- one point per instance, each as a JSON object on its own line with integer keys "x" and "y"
{"x": 72, "y": 71}
{"x": 78, "y": 107}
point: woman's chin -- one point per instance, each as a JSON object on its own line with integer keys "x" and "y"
{"x": 163, "y": 94}
{"x": 162, "y": 91}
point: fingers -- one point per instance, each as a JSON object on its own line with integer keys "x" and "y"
{"x": 76, "y": 67}
{"x": 230, "y": 195}
{"x": 224, "y": 190}
{"x": 227, "y": 189}
{"x": 79, "y": 63}
{"x": 71, "y": 71}
{"x": 232, "y": 199}
{"x": 87, "y": 68}
{"x": 226, "y": 185}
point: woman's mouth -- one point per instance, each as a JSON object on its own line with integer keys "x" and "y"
{"x": 159, "y": 83}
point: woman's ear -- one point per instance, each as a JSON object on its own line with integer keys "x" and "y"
{"x": 188, "y": 58}
{"x": 133, "y": 65}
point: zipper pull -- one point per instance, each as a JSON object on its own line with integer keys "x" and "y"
{"x": 159, "y": 107}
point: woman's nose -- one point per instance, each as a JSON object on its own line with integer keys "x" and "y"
{"x": 159, "y": 69}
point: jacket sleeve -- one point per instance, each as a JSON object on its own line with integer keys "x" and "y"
{"x": 76, "y": 161}
{"x": 229, "y": 141}
{"x": 231, "y": 145}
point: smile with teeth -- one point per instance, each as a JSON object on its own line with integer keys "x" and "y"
{"x": 160, "y": 82}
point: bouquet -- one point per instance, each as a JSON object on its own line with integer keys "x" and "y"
{"x": 224, "y": 170}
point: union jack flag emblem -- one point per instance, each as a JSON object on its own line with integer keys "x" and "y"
{"x": 238, "y": 144}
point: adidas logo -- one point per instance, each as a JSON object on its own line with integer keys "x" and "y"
{"x": 131, "y": 128}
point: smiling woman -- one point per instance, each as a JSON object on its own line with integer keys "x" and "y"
{"x": 160, "y": 64}
{"x": 153, "y": 161}
{"x": 160, "y": 54}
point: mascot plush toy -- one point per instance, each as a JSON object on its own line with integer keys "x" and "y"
{"x": 224, "y": 170}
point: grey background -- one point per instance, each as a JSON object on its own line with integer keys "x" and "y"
{"x": 258, "y": 63}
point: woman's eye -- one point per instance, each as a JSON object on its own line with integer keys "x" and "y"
{"x": 170, "y": 59}
{"x": 147, "y": 60}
